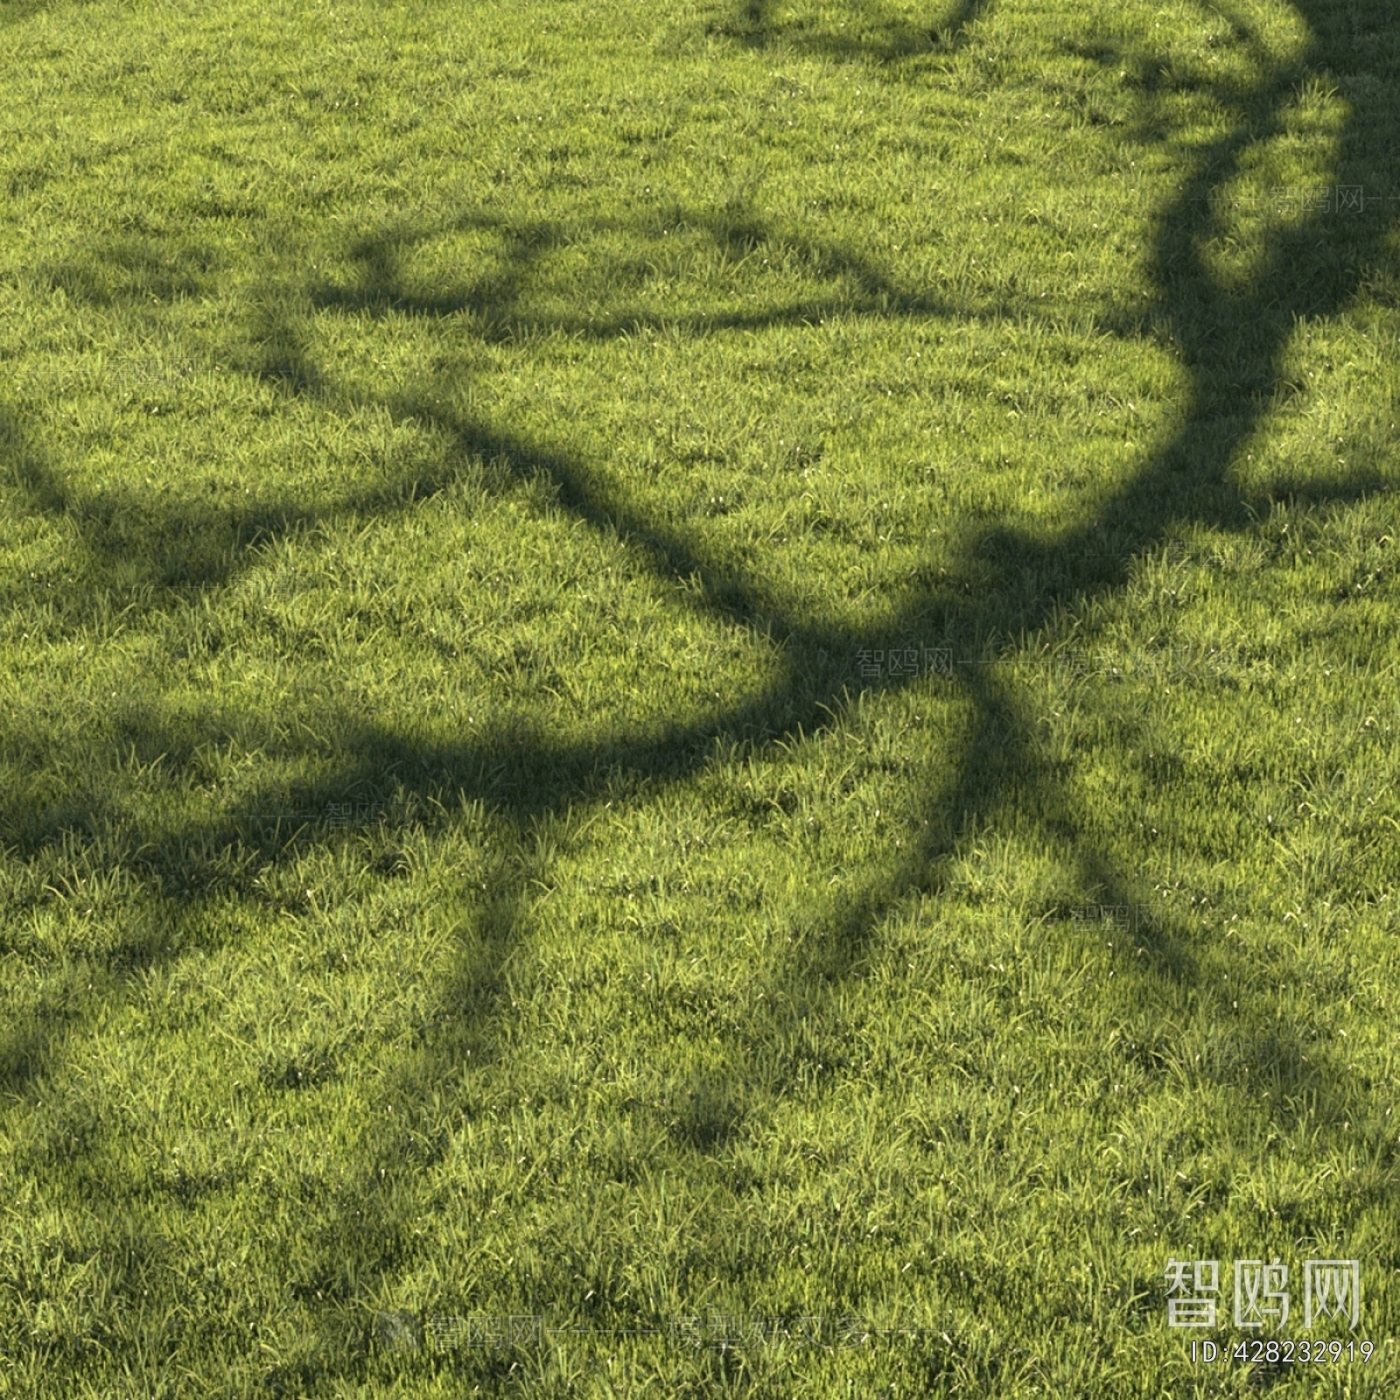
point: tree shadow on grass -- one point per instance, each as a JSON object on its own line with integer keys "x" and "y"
{"x": 1233, "y": 346}
{"x": 17, "y": 11}
{"x": 195, "y": 543}
{"x": 498, "y": 303}
{"x": 870, "y": 33}
{"x": 127, "y": 557}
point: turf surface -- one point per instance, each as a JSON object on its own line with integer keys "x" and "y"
{"x": 697, "y": 700}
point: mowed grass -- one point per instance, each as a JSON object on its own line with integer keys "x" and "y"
{"x": 595, "y": 595}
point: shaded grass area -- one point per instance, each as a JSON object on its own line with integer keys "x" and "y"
{"x": 867, "y": 31}
{"x": 462, "y": 856}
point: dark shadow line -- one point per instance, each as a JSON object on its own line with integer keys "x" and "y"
{"x": 892, "y": 38}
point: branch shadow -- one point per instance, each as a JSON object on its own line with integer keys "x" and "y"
{"x": 14, "y": 12}
{"x": 873, "y": 34}
{"x": 188, "y": 549}
{"x": 498, "y": 301}
{"x": 1232, "y": 348}
{"x": 193, "y": 544}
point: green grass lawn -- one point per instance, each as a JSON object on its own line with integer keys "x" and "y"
{"x": 698, "y": 699}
